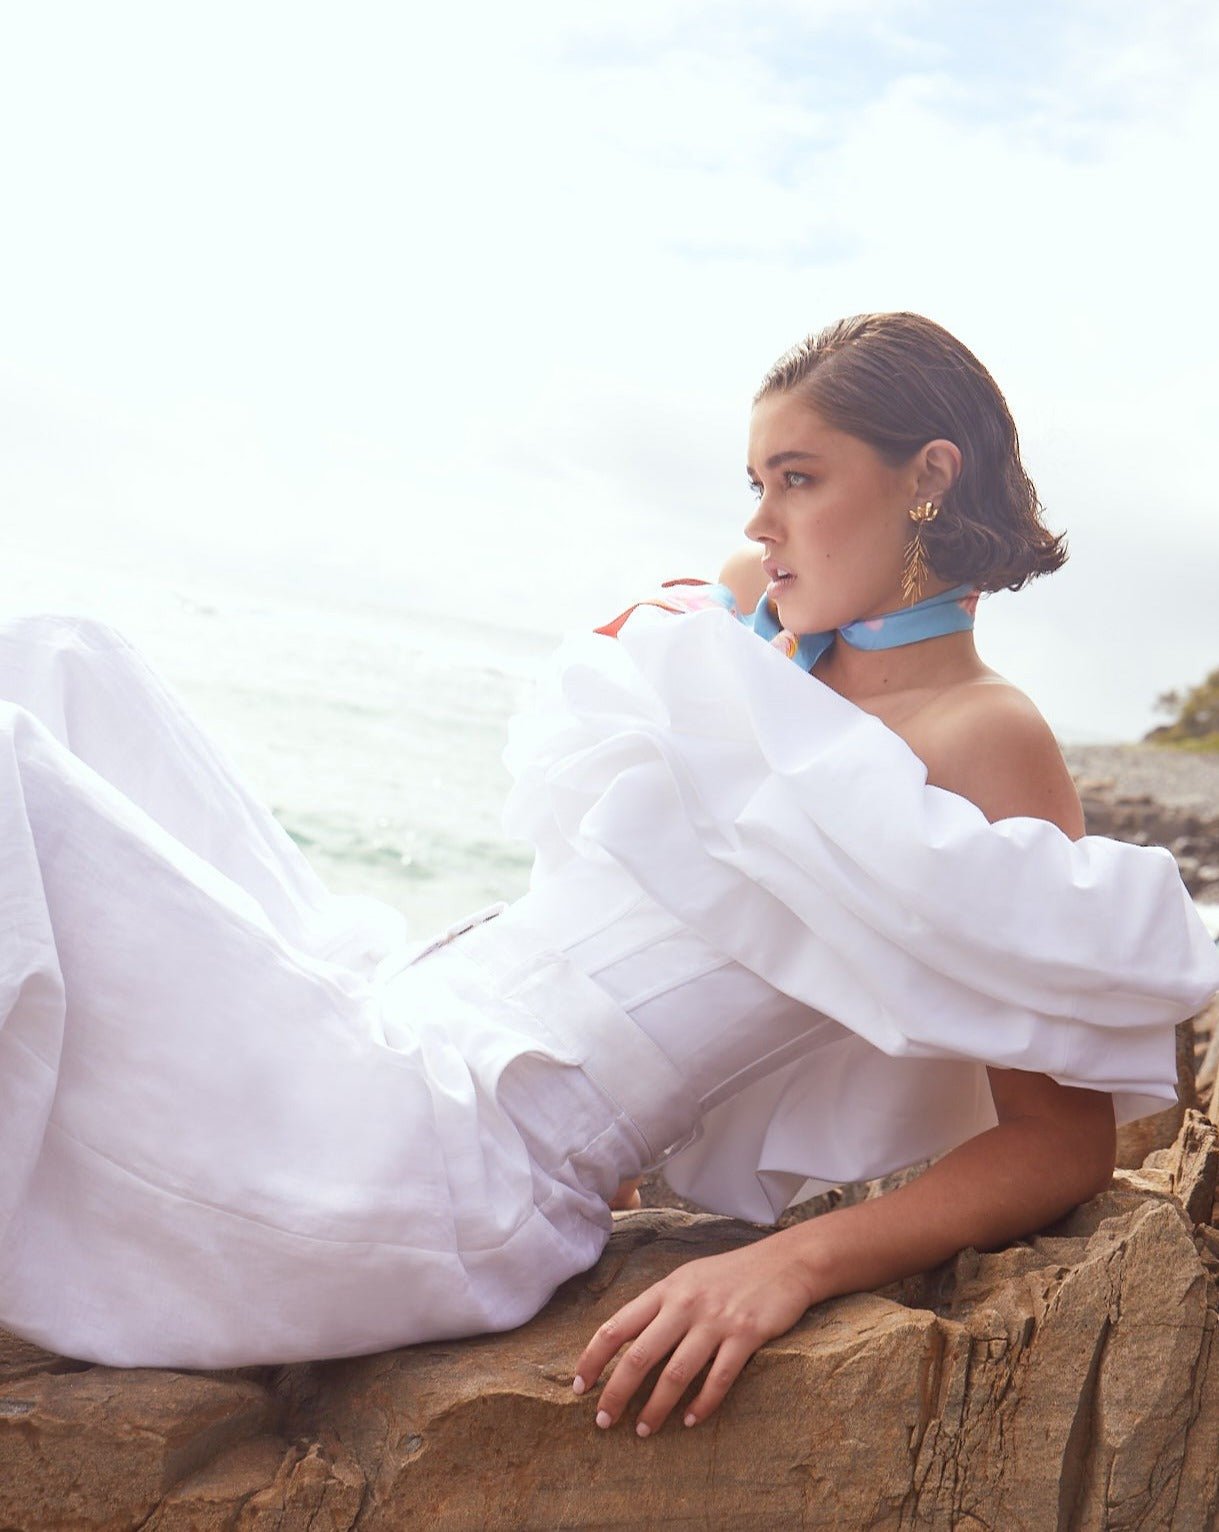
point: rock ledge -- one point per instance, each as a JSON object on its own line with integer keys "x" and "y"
{"x": 1069, "y": 1380}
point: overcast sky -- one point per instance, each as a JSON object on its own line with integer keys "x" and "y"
{"x": 444, "y": 304}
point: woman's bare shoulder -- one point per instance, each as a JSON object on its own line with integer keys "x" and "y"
{"x": 987, "y": 740}
{"x": 744, "y": 576}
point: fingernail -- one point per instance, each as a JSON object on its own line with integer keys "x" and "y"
{"x": 643, "y": 1429}
{"x": 604, "y": 1418}
{"x": 577, "y": 1384}
{"x": 691, "y": 1419}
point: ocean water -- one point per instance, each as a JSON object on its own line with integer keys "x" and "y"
{"x": 374, "y": 732}
{"x": 375, "y": 737}
{"x": 372, "y": 729}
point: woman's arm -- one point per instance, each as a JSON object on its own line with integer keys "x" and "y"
{"x": 1053, "y": 1147}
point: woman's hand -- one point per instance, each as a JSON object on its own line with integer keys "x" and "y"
{"x": 1051, "y": 1150}
{"x": 722, "y": 1307}
{"x": 627, "y": 1198}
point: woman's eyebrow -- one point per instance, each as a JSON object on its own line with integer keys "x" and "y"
{"x": 784, "y": 457}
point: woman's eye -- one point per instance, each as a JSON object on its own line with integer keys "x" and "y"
{"x": 790, "y": 475}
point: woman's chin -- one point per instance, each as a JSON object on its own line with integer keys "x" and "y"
{"x": 793, "y": 614}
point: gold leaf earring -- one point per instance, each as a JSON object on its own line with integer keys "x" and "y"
{"x": 914, "y": 566}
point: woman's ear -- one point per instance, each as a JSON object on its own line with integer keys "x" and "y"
{"x": 939, "y": 468}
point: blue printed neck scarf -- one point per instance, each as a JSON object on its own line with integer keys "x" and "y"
{"x": 952, "y": 611}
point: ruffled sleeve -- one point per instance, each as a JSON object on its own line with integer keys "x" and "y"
{"x": 798, "y": 835}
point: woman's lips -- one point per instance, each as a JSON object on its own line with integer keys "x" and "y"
{"x": 780, "y": 583}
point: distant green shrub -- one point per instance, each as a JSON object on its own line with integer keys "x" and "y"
{"x": 1195, "y": 725}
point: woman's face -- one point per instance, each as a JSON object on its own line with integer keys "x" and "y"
{"x": 830, "y": 511}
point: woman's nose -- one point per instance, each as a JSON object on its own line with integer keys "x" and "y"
{"x": 757, "y": 527}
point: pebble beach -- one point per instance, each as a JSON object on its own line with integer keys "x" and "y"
{"x": 1156, "y": 795}
{"x": 1186, "y": 779}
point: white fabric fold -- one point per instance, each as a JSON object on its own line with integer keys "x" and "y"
{"x": 799, "y": 835}
{"x": 234, "y": 1127}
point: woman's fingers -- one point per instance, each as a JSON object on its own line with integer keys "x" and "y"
{"x": 688, "y": 1350}
{"x": 725, "y": 1370}
{"x": 619, "y": 1328}
{"x": 719, "y": 1309}
{"x": 653, "y": 1345}
{"x": 687, "y": 1361}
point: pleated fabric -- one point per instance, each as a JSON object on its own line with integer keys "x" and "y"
{"x": 798, "y": 835}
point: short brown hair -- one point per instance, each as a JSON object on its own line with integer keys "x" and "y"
{"x": 898, "y": 381}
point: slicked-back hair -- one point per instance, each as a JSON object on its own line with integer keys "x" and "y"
{"x": 898, "y": 381}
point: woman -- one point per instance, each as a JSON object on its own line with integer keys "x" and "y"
{"x": 783, "y": 929}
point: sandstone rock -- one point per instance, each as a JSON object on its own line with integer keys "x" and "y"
{"x": 102, "y": 1446}
{"x": 266, "y": 1486}
{"x": 1206, "y": 1029}
{"x": 1068, "y": 1380}
{"x": 1187, "y": 1170}
{"x": 1136, "y": 1140}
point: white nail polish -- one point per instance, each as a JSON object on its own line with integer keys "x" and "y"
{"x": 643, "y": 1429}
{"x": 691, "y": 1419}
{"x": 603, "y": 1419}
{"x": 577, "y": 1384}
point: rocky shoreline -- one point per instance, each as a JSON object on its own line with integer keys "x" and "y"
{"x": 1155, "y": 795}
